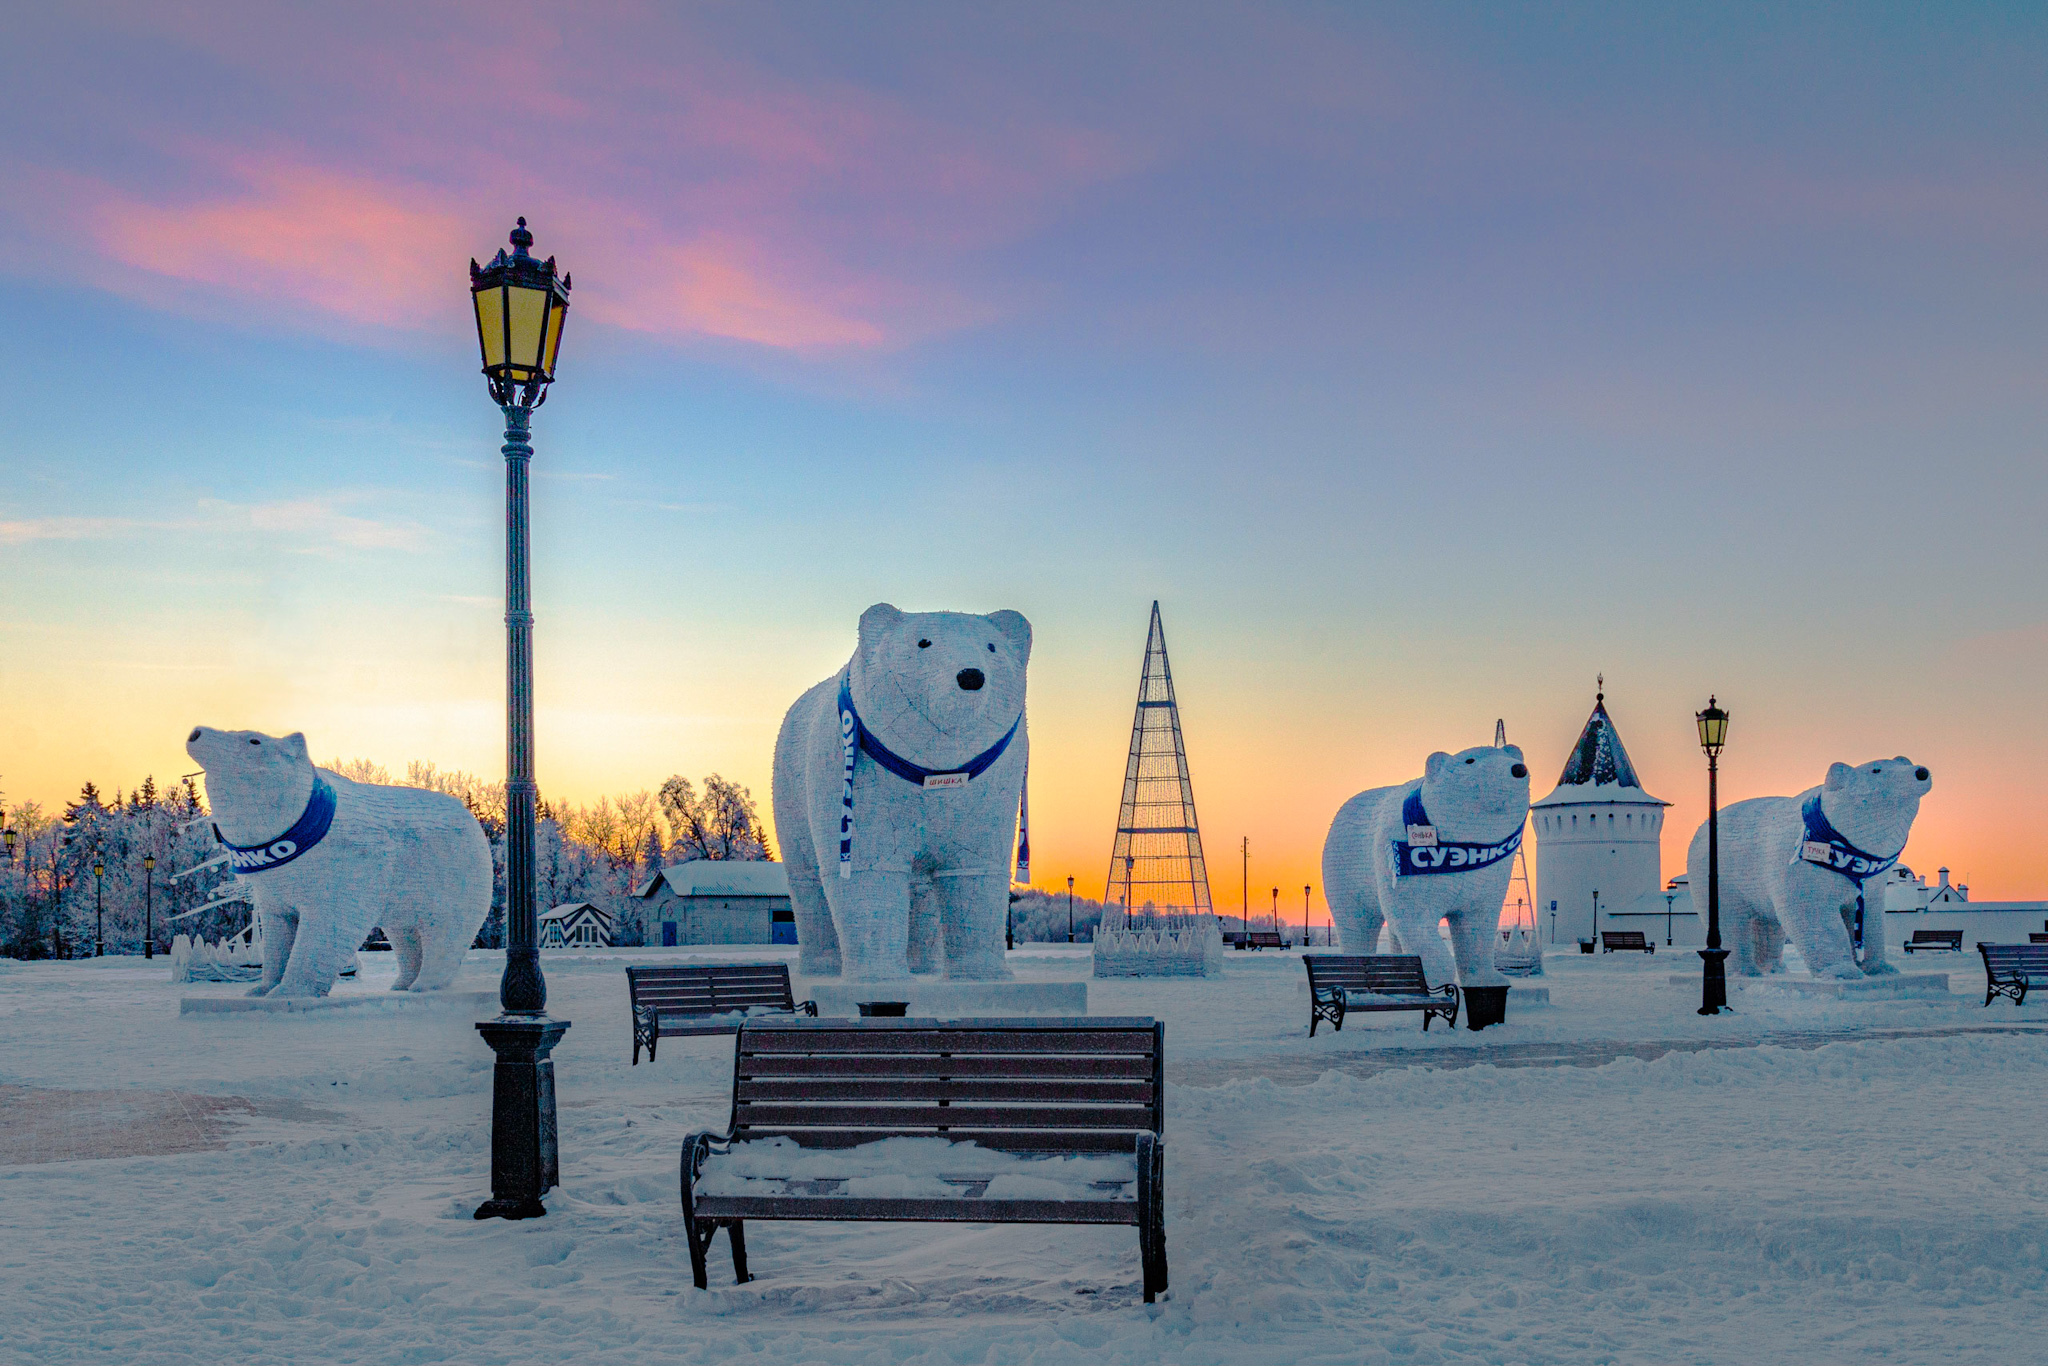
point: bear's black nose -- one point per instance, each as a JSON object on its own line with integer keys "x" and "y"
{"x": 1520, "y": 770}
{"x": 1921, "y": 774}
{"x": 970, "y": 679}
{"x": 193, "y": 736}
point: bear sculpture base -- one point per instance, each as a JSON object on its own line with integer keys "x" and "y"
{"x": 942, "y": 1000}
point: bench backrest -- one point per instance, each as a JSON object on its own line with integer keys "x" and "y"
{"x": 710, "y": 988}
{"x": 2002, "y": 960}
{"x": 1394, "y": 974}
{"x": 1623, "y": 939}
{"x": 1938, "y": 937}
{"x": 1266, "y": 938}
{"x": 1065, "y": 1084}
{"x": 2037, "y": 937}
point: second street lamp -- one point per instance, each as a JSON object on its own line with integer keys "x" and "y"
{"x": 1713, "y": 724}
{"x": 99, "y": 910}
{"x": 149, "y": 906}
{"x": 520, "y": 305}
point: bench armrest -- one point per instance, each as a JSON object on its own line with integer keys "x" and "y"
{"x": 809, "y": 1008}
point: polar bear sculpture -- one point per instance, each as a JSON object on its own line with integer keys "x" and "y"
{"x": 897, "y": 783}
{"x": 328, "y": 859}
{"x": 1796, "y": 866}
{"x": 1438, "y": 848}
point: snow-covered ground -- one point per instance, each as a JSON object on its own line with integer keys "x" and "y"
{"x": 1601, "y": 1180}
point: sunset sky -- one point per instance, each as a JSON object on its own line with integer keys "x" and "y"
{"x": 1422, "y": 360}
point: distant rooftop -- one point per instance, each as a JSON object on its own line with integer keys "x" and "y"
{"x": 721, "y": 877}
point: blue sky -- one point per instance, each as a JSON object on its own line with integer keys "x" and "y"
{"x": 1422, "y": 360}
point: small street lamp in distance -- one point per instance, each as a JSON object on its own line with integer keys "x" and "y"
{"x": 1713, "y": 724}
{"x": 99, "y": 910}
{"x": 520, "y": 304}
{"x": 149, "y": 906}
{"x": 1304, "y": 913}
{"x": 1070, "y": 910}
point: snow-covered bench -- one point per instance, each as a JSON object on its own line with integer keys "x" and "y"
{"x": 1339, "y": 984}
{"x": 1625, "y": 941}
{"x": 2009, "y": 969}
{"x": 680, "y": 999}
{"x": 1940, "y": 941}
{"x": 1033, "y": 1121}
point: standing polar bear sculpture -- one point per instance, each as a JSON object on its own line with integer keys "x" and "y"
{"x": 328, "y": 860}
{"x": 1796, "y": 866}
{"x": 1438, "y": 848}
{"x": 897, "y": 783}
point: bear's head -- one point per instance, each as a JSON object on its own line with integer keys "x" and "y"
{"x": 938, "y": 688}
{"x": 1872, "y": 805}
{"x": 1476, "y": 794}
{"x": 257, "y": 784}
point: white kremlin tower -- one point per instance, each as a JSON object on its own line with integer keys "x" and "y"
{"x": 1598, "y": 832}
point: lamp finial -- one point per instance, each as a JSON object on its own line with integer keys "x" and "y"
{"x": 521, "y": 238}
{"x": 1599, "y": 687}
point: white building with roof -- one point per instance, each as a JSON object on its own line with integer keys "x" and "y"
{"x": 1599, "y": 831}
{"x": 575, "y": 925}
{"x": 718, "y": 901}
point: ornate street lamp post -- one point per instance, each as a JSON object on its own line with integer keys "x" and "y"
{"x": 1304, "y": 914}
{"x": 1070, "y": 910}
{"x": 99, "y": 910}
{"x": 520, "y": 306}
{"x": 149, "y": 906}
{"x": 1713, "y": 723}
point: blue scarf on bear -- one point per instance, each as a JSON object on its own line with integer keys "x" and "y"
{"x": 1419, "y": 857}
{"x": 855, "y": 737}
{"x": 307, "y": 831}
{"x": 1825, "y": 848}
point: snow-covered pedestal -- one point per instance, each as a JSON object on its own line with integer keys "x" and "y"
{"x": 467, "y": 1002}
{"x": 942, "y": 1000}
{"x": 1894, "y": 987}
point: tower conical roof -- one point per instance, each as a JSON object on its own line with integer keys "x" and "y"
{"x": 1599, "y": 769}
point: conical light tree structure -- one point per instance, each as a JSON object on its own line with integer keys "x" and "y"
{"x": 1157, "y": 858}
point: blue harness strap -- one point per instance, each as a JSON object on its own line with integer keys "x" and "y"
{"x": 1422, "y": 853}
{"x": 855, "y": 737}
{"x": 307, "y": 831}
{"x": 1825, "y": 848}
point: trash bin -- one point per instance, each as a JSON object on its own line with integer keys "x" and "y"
{"x": 1585, "y": 946}
{"x": 1485, "y": 1006}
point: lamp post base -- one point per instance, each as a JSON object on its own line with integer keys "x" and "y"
{"x": 525, "y": 1162}
{"x": 1714, "y": 984}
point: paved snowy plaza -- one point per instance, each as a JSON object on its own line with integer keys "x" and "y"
{"x": 1612, "y": 1178}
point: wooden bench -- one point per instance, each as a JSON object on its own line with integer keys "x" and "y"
{"x": 2037, "y": 937}
{"x": 1077, "y": 1102}
{"x": 1940, "y": 941}
{"x": 1340, "y": 984}
{"x": 2009, "y": 969}
{"x": 1625, "y": 941}
{"x": 1255, "y": 939}
{"x": 680, "y": 999}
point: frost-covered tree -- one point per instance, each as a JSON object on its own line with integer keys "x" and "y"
{"x": 723, "y": 823}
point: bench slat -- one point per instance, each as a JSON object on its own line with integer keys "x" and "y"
{"x": 829, "y": 1040}
{"x": 1000, "y": 1140}
{"x": 1016, "y": 1066}
{"x": 753, "y": 1114}
{"x": 962, "y": 1210}
{"x": 992, "y": 1090}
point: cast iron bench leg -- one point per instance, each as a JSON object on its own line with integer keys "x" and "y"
{"x": 737, "y": 1229}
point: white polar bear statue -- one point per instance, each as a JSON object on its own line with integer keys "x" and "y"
{"x": 1438, "y": 848}
{"x": 328, "y": 859}
{"x": 1796, "y": 866}
{"x": 897, "y": 783}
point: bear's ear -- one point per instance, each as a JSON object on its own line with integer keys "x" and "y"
{"x": 1838, "y": 774}
{"x": 1013, "y": 625}
{"x": 1437, "y": 763}
{"x": 1513, "y": 752}
{"x": 877, "y": 622}
{"x": 1902, "y": 759}
{"x": 295, "y": 744}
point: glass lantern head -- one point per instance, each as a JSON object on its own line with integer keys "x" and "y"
{"x": 520, "y": 306}
{"x": 1713, "y": 724}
